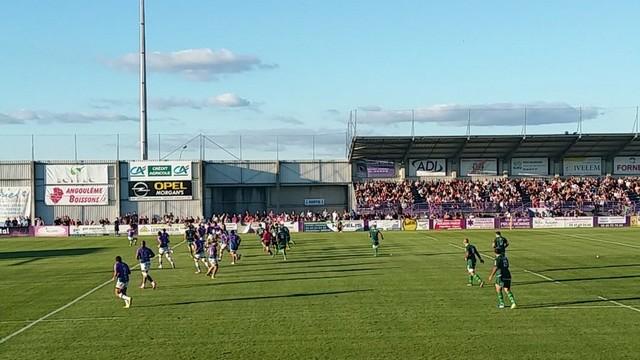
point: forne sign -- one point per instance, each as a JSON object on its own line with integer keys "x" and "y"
{"x": 159, "y": 170}
{"x": 160, "y": 190}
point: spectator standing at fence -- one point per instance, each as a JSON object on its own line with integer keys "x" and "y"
{"x": 116, "y": 227}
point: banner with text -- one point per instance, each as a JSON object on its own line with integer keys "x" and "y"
{"x": 428, "y": 167}
{"x": 152, "y": 229}
{"x": 160, "y": 190}
{"x": 315, "y": 227}
{"x": 481, "y": 223}
{"x": 51, "y": 231}
{"x": 562, "y": 222}
{"x": 16, "y": 231}
{"x": 611, "y": 221}
{"x": 159, "y": 170}
{"x": 471, "y": 167}
{"x": 530, "y": 166}
{"x": 388, "y": 225}
{"x": 375, "y": 169}
{"x": 76, "y": 174}
{"x": 347, "y": 226}
{"x": 514, "y": 223}
{"x": 582, "y": 166}
{"x": 444, "y": 224}
{"x": 409, "y": 225}
{"x": 635, "y": 221}
{"x": 15, "y": 201}
{"x": 626, "y": 165}
{"x": 80, "y": 195}
{"x": 423, "y": 224}
{"x": 96, "y": 230}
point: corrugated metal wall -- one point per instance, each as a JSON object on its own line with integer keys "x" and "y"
{"x": 304, "y": 172}
{"x": 162, "y": 207}
{"x": 244, "y": 172}
{"x": 15, "y": 174}
{"x": 92, "y": 212}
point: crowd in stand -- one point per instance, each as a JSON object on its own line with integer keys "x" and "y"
{"x": 555, "y": 196}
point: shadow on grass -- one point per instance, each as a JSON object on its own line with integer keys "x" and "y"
{"x": 576, "y": 279}
{"x": 267, "y": 297}
{"x": 588, "y": 267}
{"x": 225, "y": 281}
{"x": 48, "y": 253}
{"x": 575, "y": 302}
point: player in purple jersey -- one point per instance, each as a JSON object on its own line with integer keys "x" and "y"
{"x": 144, "y": 256}
{"x": 234, "y": 244}
{"x": 121, "y": 274}
{"x": 132, "y": 235}
{"x": 198, "y": 254}
{"x": 202, "y": 231}
{"x": 164, "y": 248}
{"x": 224, "y": 244}
{"x": 212, "y": 253}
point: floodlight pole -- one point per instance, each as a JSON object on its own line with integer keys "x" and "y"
{"x": 143, "y": 89}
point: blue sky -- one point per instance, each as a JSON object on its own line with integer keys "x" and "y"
{"x": 297, "y": 68}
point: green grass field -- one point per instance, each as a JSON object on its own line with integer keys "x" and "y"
{"x": 331, "y": 300}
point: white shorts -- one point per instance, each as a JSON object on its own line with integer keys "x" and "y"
{"x": 223, "y": 246}
{"x": 213, "y": 260}
{"x": 199, "y": 256}
{"x": 130, "y": 238}
{"x": 471, "y": 270}
{"x": 375, "y": 246}
{"x": 121, "y": 285}
{"x": 145, "y": 266}
{"x": 164, "y": 250}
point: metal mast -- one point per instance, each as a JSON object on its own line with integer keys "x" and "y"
{"x": 143, "y": 89}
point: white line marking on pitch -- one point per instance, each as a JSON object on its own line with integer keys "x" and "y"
{"x": 19, "y": 331}
{"x": 593, "y": 239}
{"x": 619, "y": 304}
{"x": 63, "y": 320}
{"x": 584, "y": 307}
{"x": 559, "y": 283}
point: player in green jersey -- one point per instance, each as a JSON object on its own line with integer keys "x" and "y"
{"x": 503, "y": 279}
{"x": 471, "y": 256}
{"x": 500, "y": 243}
{"x": 375, "y": 235}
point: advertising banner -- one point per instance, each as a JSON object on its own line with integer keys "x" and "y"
{"x": 348, "y": 225}
{"x": 409, "y": 225}
{"x": 582, "y": 166}
{"x": 530, "y": 166}
{"x": 315, "y": 227}
{"x": 80, "y": 195}
{"x": 428, "y": 167}
{"x": 16, "y": 231}
{"x": 480, "y": 223}
{"x": 51, "y": 231}
{"x": 626, "y": 165}
{"x": 611, "y": 221}
{"x": 470, "y": 167}
{"x": 93, "y": 230}
{"x": 76, "y": 174}
{"x": 562, "y": 222}
{"x": 152, "y": 229}
{"x": 388, "y": 225}
{"x": 514, "y": 223}
{"x": 159, "y": 170}
{"x": 423, "y": 224}
{"x": 635, "y": 221}
{"x": 160, "y": 190}
{"x": 442, "y": 224}
{"x": 15, "y": 201}
{"x": 375, "y": 169}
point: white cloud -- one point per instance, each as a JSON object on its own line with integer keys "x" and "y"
{"x": 194, "y": 64}
{"x": 288, "y": 120}
{"x": 229, "y": 100}
{"x": 46, "y": 117}
{"x": 173, "y": 102}
{"x": 498, "y": 114}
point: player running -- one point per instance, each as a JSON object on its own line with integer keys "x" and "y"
{"x": 198, "y": 254}
{"x": 503, "y": 279}
{"x": 234, "y": 244}
{"x": 121, "y": 274}
{"x": 132, "y": 235}
{"x": 144, "y": 256}
{"x": 281, "y": 239}
{"x": 164, "y": 248}
{"x": 375, "y": 235}
{"x": 190, "y": 237}
{"x": 500, "y": 243}
{"x": 266, "y": 241}
{"x": 288, "y": 234}
{"x": 212, "y": 252}
{"x": 471, "y": 255}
